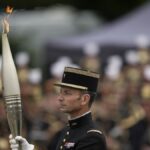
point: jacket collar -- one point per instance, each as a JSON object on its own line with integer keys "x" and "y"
{"x": 80, "y": 120}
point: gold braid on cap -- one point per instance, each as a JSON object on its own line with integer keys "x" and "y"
{"x": 72, "y": 86}
{"x": 82, "y": 72}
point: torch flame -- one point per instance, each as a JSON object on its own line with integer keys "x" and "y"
{"x": 9, "y": 9}
{"x": 5, "y": 22}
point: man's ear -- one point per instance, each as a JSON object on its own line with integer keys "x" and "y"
{"x": 85, "y": 99}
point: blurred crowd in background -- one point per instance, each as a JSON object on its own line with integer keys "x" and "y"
{"x": 121, "y": 109}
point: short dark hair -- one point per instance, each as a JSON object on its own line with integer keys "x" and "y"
{"x": 92, "y": 97}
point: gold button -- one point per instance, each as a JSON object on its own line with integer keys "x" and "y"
{"x": 68, "y": 133}
{"x": 64, "y": 140}
{"x": 61, "y": 147}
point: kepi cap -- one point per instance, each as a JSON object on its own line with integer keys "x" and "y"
{"x": 79, "y": 79}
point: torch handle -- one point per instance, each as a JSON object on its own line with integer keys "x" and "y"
{"x": 14, "y": 113}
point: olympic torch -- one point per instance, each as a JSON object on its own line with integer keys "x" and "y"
{"x": 10, "y": 84}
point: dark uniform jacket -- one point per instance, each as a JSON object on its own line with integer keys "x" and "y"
{"x": 81, "y": 134}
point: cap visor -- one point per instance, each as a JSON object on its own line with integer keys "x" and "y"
{"x": 71, "y": 86}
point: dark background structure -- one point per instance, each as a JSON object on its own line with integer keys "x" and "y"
{"x": 110, "y": 10}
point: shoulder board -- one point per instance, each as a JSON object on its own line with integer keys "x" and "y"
{"x": 97, "y": 131}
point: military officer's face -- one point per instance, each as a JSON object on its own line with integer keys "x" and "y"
{"x": 73, "y": 101}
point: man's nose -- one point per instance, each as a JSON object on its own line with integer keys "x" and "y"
{"x": 60, "y": 97}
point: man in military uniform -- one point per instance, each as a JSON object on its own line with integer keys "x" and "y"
{"x": 77, "y": 92}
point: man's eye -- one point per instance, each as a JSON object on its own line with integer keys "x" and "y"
{"x": 67, "y": 93}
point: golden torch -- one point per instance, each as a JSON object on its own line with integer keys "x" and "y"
{"x": 10, "y": 83}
